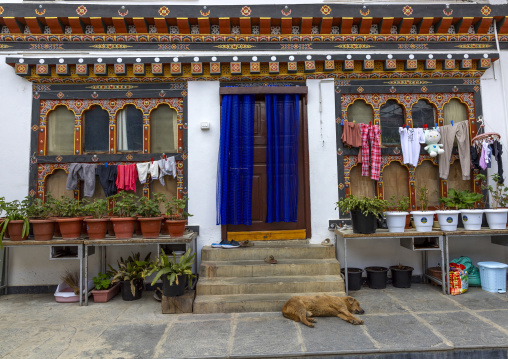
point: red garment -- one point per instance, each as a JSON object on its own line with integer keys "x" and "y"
{"x": 372, "y": 133}
{"x": 126, "y": 178}
{"x": 352, "y": 134}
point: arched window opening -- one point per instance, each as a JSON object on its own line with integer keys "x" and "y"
{"x": 163, "y": 130}
{"x": 129, "y": 129}
{"x": 60, "y": 140}
{"x": 392, "y": 117}
{"x": 96, "y": 121}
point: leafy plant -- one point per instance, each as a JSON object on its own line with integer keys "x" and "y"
{"x": 102, "y": 281}
{"x": 150, "y": 207}
{"x": 173, "y": 268}
{"x": 66, "y": 207}
{"x": 423, "y": 197}
{"x": 401, "y": 203}
{"x": 15, "y": 211}
{"x": 97, "y": 209}
{"x": 460, "y": 199}
{"x": 175, "y": 208}
{"x": 125, "y": 204}
{"x": 40, "y": 209}
{"x": 132, "y": 269}
{"x": 498, "y": 194}
{"x": 364, "y": 204}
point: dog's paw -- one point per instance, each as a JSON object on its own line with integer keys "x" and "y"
{"x": 310, "y": 325}
{"x": 312, "y": 320}
{"x": 357, "y": 322}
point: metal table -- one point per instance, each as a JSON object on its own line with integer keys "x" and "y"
{"x": 189, "y": 239}
{"x": 408, "y": 239}
{"x": 8, "y": 245}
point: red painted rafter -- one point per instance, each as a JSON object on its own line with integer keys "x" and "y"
{"x": 98, "y": 25}
{"x": 425, "y": 24}
{"x": 15, "y": 27}
{"x": 286, "y": 25}
{"x": 34, "y": 25}
{"x": 386, "y": 25}
{"x": 482, "y": 26}
{"x": 55, "y": 25}
{"x": 443, "y": 25}
{"x": 183, "y": 25}
{"x": 141, "y": 25}
{"x": 365, "y": 25}
{"x": 204, "y": 25}
{"x": 120, "y": 25}
{"x": 161, "y": 25}
{"x": 346, "y": 25}
{"x": 463, "y": 25}
{"x": 405, "y": 25}
{"x": 245, "y": 26}
{"x": 326, "y": 25}
{"x": 265, "y": 25}
{"x": 306, "y": 25}
{"x": 225, "y": 25}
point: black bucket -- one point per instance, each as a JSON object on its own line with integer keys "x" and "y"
{"x": 376, "y": 277}
{"x": 173, "y": 290}
{"x": 127, "y": 291}
{"x": 354, "y": 278}
{"x": 364, "y": 224}
{"x": 401, "y": 276}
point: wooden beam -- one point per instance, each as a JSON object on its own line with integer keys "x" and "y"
{"x": 224, "y": 25}
{"x": 55, "y": 25}
{"x": 424, "y": 25}
{"x": 365, "y": 24}
{"x": 346, "y": 25}
{"x": 502, "y": 25}
{"x": 405, "y": 25}
{"x": 326, "y": 25}
{"x": 14, "y": 25}
{"x": 120, "y": 25}
{"x": 306, "y": 25}
{"x": 462, "y": 26}
{"x": 443, "y": 25}
{"x": 483, "y": 26}
{"x": 385, "y": 27}
{"x": 204, "y": 25}
{"x": 34, "y": 25}
{"x": 98, "y": 25}
{"x": 141, "y": 25}
{"x": 183, "y": 25}
{"x": 263, "y": 90}
{"x": 245, "y": 26}
{"x": 286, "y": 25}
{"x": 162, "y": 25}
{"x": 265, "y": 25}
{"x": 76, "y": 25}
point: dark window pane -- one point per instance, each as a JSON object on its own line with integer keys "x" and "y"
{"x": 96, "y": 130}
{"x": 129, "y": 128}
{"x": 392, "y": 117}
{"x": 423, "y": 113}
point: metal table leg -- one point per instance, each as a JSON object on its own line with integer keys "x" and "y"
{"x": 346, "y": 279}
{"x": 80, "y": 252}
{"x": 445, "y": 272}
{"x": 86, "y": 274}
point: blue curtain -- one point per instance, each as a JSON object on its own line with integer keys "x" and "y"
{"x": 236, "y": 157}
{"x": 282, "y": 118}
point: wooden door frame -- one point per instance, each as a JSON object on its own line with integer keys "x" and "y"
{"x": 303, "y": 91}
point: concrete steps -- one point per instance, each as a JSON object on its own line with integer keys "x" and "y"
{"x": 239, "y": 280}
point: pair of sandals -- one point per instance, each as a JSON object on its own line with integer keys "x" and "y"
{"x": 232, "y": 244}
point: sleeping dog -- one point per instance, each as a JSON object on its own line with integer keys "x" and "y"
{"x": 303, "y": 308}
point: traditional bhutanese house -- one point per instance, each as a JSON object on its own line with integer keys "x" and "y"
{"x": 127, "y": 82}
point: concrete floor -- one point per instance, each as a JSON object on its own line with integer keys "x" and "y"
{"x": 399, "y": 323}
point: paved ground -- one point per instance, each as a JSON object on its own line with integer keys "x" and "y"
{"x": 420, "y": 322}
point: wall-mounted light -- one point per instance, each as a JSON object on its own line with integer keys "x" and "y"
{"x": 156, "y": 59}
{"x": 196, "y": 59}
{"x": 291, "y": 58}
{"x": 449, "y": 56}
{"x": 119, "y": 60}
{"x": 328, "y": 57}
{"x": 431, "y": 56}
{"x": 390, "y": 56}
{"x": 175, "y": 59}
{"x": 235, "y": 58}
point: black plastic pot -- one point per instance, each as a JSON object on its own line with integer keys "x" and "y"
{"x": 401, "y": 276}
{"x": 376, "y": 277}
{"x": 354, "y": 278}
{"x": 173, "y": 290}
{"x": 127, "y": 291}
{"x": 364, "y": 224}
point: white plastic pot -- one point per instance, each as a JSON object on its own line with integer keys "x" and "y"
{"x": 496, "y": 218}
{"x": 472, "y": 219}
{"x": 396, "y": 221}
{"x": 423, "y": 220}
{"x": 448, "y": 220}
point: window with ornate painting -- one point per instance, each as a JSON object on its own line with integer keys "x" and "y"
{"x": 392, "y": 117}
{"x": 360, "y": 112}
{"x": 423, "y": 113}
{"x": 60, "y": 140}
{"x": 163, "y": 129}
{"x": 129, "y": 129}
{"x": 96, "y": 131}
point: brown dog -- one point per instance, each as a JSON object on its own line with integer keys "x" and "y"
{"x": 302, "y": 309}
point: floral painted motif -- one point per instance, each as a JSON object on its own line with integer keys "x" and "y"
{"x": 447, "y": 12}
{"x": 164, "y": 11}
{"x": 81, "y": 10}
{"x": 407, "y": 10}
{"x": 1, "y": 10}
{"x": 204, "y": 13}
{"x": 123, "y": 13}
{"x": 246, "y": 11}
{"x": 359, "y": 89}
{"x": 128, "y": 94}
{"x": 364, "y": 12}
{"x": 424, "y": 89}
{"x": 40, "y": 12}
{"x": 286, "y": 12}
{"x": 326, "y": 10}
{"x": 486, "y": 10}
{"x": 129, "y": 157}
{"x": 60, "y": 95}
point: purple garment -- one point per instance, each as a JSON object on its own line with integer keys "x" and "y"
{"x": 483, "y": 164}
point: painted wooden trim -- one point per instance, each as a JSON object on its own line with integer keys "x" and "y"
{"x": 263, "y": 90}
{"x": 267, "y": 235}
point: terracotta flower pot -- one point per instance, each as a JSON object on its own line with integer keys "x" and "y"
{"x": 150, "y": 226}
{"x": 137, "y": 226}
{"x": 123, "y": 226}
{"x": 56, "y": 232}
{"x": 43, "y": 229}
{"x": 111, "y": 229}
{"x": 70, "y": 227}
{"x": 105, "y": 295}
{"x": 15, "y": 228}
{"x": 96, "y": 227}
{"x": 175, "y": 227}
{"x": 164, "y": 228}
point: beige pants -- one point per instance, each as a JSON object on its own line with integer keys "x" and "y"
{"x": 448, "y": 133}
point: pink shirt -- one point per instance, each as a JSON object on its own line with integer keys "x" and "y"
{"x": 126, "y": 178}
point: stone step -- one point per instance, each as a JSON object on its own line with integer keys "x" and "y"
{"x": 275, "y": 284}
{"x": 239, "y": 303}
{"x": 261, "y": 251}
{"x": 259, "y": 268}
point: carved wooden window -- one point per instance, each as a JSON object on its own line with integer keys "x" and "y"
{"x": 129, "y": 129}
{"x": 392, "y": 117}
{"x": 163, "y": 130}
{"x": 60, "y": 133}
{"x": 360, "y": 112}
{"x": 454, "y": 111}
{"x": 96, "y": 131}
{"x": 423, "y": 113}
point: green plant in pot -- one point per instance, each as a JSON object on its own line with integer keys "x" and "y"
{"x": 396, "y": 220}
{"x": 68, "y": 216}
{"x": 16, "y": 221}
{"x": 125, "y": 210}
{"x": 104, "y": 290}
{"x": 96, "y": 218}
{"x": 496, "y": 215}
{"x": 173, "y": 272}
{"x": 364, "y": 212}
{"x": 39, "y": 213}
{"x": 423, "y": 219}
{"x": 176, "y": 216}
{"x": 150, "y": 216}
{"x": 131, "y": 274}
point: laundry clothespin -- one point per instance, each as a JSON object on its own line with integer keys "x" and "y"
{"x": 403, "y": 126}
{"x": 165, "y": 158}
{"x": 151, "y": 160}
{"x": 370, "y": 123}
{"x": 105, "y": 164}
{"x": 342, "y": 122}
{"x": 451, "y": 122}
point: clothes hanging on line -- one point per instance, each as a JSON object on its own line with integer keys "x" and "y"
{"x": 352, "y": 134}
{"x": 410, "y": 140}
{"x": 126, "y": 177}
{"x": 371, "y": 134}
{"x": 107, "y": 178}
{"x": 85, "y": 172}
{"x": 485, "y": 156}
{"x": 497, "y": 152}
{"x": 448, "y": 135}
{"x": 167, "y": 167}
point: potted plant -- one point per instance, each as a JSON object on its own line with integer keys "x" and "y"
{"x": 423, "y": 219}
{"x": 463, "y": 202}
{"x": 150, "y": 215}
{"x": 96, "y": 220}
{"x": 448, "y": 217}
{"x": 16, "y": 221}
{"x": 364, "y": 212}
{"x": 173, "y": 273}
{"x": 401, "y": 276}
{"x": 176, "y": 216}
{"x": 131, "y": 274}
{"x": 69, "y": 219}
{"x": 496, "y": 216}
{"x": 39, "y": 213}
{"x": 396, "y": 220}
{"x": 104, "y": 290}
{"x": 125, "y": 208}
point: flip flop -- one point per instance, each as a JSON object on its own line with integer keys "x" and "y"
{"x": 229, "y": 246}
{"x": 246, "y": 243}
{"x": 271, "y": 260}
{"x": 327, "y": 242}
{"x": 216, "y": 245}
